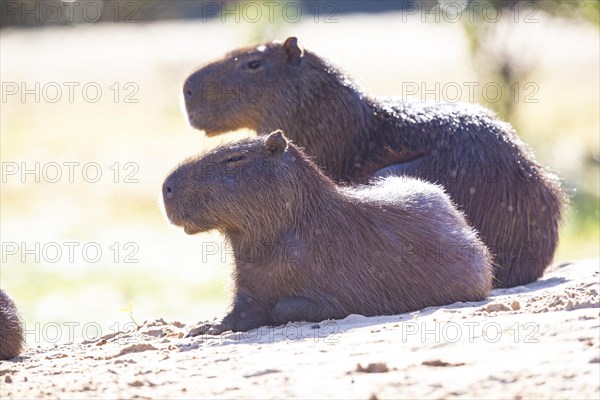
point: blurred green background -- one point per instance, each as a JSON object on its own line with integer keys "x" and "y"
{"x": 543, "y": 55}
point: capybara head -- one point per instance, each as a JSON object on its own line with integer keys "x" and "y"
{"x": 234, "y": 187}
{"x": 240, "y": 89}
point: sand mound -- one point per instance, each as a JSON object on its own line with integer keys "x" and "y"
{"x": 540, "y": 340}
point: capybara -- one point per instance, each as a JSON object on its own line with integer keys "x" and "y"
{"x": 489, "y": 173}
{"x": 11, "y": 328}
{"x": 308, "y": 249}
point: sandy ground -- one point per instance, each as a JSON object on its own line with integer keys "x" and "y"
{"x": 537, "y": 341}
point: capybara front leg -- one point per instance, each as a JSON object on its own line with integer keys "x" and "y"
{"x": 245, "y": 314}
{"x": 296, "y": 309}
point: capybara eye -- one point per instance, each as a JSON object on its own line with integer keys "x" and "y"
{"x": 235, "y": 158}
{"x": 254, "y": 64}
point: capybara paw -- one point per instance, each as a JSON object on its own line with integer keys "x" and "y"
{"x": 206, "y": 328}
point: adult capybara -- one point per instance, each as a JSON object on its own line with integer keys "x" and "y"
{"x": 307, "y": 249}
{"x": 490, "y": 174}
{"x": 11, "y": 328}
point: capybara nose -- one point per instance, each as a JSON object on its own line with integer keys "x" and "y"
{"x": 188, "y": 90}
{"x": 168, "y": 190}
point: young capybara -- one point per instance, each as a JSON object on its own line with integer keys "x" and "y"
{"x": 307, "y": 249}
{"x": 11, "y": 328}
{"x": 489, "y": 173}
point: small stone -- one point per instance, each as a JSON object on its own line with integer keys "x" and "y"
{"x": 440, "y": 363}
{"x": 373, "y": 368}
{"x": 495, "y": 307}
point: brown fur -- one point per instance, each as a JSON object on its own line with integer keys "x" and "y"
{"x": 307, "y": 249}
{"x": 490, "y": 174}
{"x": 11, "y": 328}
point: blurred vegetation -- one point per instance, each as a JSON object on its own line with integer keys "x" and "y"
{"x": 37, "y": 13}
{"x": 496, "y": 53}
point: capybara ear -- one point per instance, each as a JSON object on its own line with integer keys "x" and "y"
{"x": 293, "y": 51}
{"x": 276, "y": 142}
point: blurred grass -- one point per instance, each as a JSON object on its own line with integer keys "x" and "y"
{"x": 170, "y": 280}
{"x": 580, "y": 234}
{"x": 162, "y": 294}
